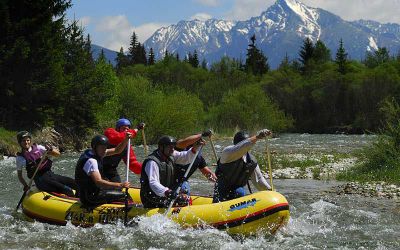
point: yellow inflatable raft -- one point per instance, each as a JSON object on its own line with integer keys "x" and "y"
{"x": 264, "y": 211}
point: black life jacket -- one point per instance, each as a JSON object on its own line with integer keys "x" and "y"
{"x": 180, "y": 170}
{"x": 235, "y": 174}
{"x": 110, "y": 163}
{"x": 167, "y": 179}
{"x": 88, "y": 189}
{"x": 32, "y": 159}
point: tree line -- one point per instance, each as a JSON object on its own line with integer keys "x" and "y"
{"x": 48, "y": 78}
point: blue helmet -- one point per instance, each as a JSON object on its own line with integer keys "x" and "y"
{"x": 123, "y": 122}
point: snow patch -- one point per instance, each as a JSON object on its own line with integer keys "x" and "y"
{"x": 372, "y": 44}
{"x": 308, "y": 15}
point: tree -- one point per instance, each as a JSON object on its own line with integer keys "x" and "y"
{"x": 152, "y": 59}
{"x": 379, "y": 57}
{"x": 31, "y": 60}
{"x": 122, "y": 60}
{"x": 193, "y": 59}
{"x": 306, "y": 54}
{"x": 132, "y": 50}
{"x": 321, "y": 53}
{"x": 256, "y": 61}
{"x": 341, "y": 58}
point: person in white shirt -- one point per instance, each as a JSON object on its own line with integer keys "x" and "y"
{"x": 93, "y": 188}
{"x": 158, "y": 177}
{"x": 236, "y": 166}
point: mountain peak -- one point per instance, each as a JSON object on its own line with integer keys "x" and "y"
{"x": 280, "y": 31}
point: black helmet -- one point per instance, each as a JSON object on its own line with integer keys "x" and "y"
{"x": 166, "y": 140}
{"x": 240, "y": 136}
{"x": 22, "y": 134}
{"x": 99, "y": 140}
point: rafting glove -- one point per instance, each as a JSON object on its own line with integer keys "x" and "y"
{"x": 182, "y": 200}
{"x": 207, "y": 133}
{"x": 263, "y": 133}
{"x": 140, "y": 125}
{"x": 170, "y": 194}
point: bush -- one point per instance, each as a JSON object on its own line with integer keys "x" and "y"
{"x": 249, "y": 108}
{"x": 166, "y": 112}
{"x": 381, "y": 161}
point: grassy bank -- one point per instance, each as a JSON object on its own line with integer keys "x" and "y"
{"x": 381, "y": 160}
{"x": 8, "y": 142}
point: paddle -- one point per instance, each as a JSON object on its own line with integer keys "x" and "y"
{"x": 213, "y": 149}
{"x": 178, "y": 189}
{"x": 31, "y": 180}
{"x": 144, "y": 142}
{"x": 127, "y": 178}
{"x": 269, "y": 163}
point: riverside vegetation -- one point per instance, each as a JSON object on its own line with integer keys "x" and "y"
{"x": 49, "y": 79}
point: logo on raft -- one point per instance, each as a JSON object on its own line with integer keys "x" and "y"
{"x": 243, "y": 204}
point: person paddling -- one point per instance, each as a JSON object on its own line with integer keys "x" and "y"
{"x": 158, "y": 179}
{"x": 200, "y": 163}
{"x": 116, "y": 136}
{"x": 45, "y": 180}
{"x": 94, "y": 189}
{"x": 236, "y": 166}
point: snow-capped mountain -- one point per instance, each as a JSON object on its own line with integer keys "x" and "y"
{"x": 280, "y": 30}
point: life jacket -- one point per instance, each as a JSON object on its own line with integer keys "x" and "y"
{"x": 32, "y": 159}
{"x": 88, "y": 189}
{"x": 180, "y": 170}
{"x": 110, "y": 163}
{"x": 167, "y": 179}
{"x": 235, "y": 174}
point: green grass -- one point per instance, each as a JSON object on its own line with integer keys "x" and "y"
{"x": 379, "y": 162}
{"x": 8, "y": 142}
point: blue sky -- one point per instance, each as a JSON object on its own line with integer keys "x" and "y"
{"x": 111, "y": 23}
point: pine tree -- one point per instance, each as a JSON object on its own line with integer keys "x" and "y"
{"x": 256, "y": 61}
{"x": 306, "y": 54}
{"x": 177, "y": 57}
{"x": 152, "y": 59}
{"x": 31, "y": 60}
{"x": 321, "y": 53}
{"x": 122, "y": 60}
{"x": 285, "y": 64}
{"x": 341, "y": 58}
{"x": 132, "y": 50}
{"x": 193, "y": 59}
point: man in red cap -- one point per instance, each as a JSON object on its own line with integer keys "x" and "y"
{"x": 116, "y": 136}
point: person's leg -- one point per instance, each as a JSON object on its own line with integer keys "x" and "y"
{"x": 51, "y": 182}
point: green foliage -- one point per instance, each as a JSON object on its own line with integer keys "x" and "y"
{"x": 8, "y": 142}
{"x": 106, "y": 88}
{"x": 248, "y": 108}
{"x": 341, "y": 58}
{"x": 173, "y": 112}
{"x": 256, "y": 61}
{"x": 31, "y": 60}
{"x": 381, "y": 161}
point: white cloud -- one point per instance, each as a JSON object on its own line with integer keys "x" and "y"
{"x": 84, "y": 21}
{"x": 244, "y": 9}
{"x": 379, "y": 10}
{"x": 114, "y": 32}
{"x": 144, "y": 31}
{"x": 201, "y": 16}
{"x": 211, "y": 3}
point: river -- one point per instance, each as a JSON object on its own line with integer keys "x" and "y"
{"x": 319, "y": 219}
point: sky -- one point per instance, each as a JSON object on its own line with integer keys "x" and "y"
{"x": 110, "y": 23}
